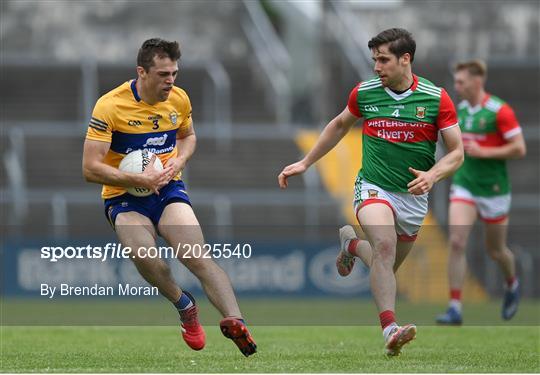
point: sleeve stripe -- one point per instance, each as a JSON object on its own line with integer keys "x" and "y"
{"x": 449, "y": 127}
{"x": 99, "y": 121}
{"x": 511, "y": 133}
{"x": 104, "y": 127}
{"x": 97, "y": 128}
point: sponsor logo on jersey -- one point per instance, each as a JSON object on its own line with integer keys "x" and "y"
{"x": 420, "y": 112}
{"x": 371, "y": 108}
{"x": 398, "y": 106}
{"x": 134, "y": 123}
{"x": 123, "y": 204}
{"x": 156, "y": 141}
{"x": 174, "y": 117}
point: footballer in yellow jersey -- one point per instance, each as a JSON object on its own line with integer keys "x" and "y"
{"x": 150, "y": 113}
{"x": 122, "y": 119}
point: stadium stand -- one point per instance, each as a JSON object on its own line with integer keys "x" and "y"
{"x": 44, "y": 96}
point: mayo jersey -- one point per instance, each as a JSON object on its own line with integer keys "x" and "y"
{"x": 490, "y": 124}
{"x": 122, "y": 119}
{"x": 399, "y": 130}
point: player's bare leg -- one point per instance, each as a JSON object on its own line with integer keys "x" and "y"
{"x": 403, "y": 248}
{"x": 352, "y": 246}
{"x": 496, "y": 235}
{"x": 461, "y": 217}
{"x": 377, "y": 221}
{"x": 138, "y": 232}
{"x": 179, "y": 225}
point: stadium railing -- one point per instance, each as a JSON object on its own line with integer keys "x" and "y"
{"x": 271, "y": 56}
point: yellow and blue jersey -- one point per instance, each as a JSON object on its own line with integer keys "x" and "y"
{"x": 122, "y": 119}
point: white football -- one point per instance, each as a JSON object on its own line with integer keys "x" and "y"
{"x": 136, "y": 162}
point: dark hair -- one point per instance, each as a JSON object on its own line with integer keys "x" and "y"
{"x": 475, "y": 67}
{"x": 161, "y": 48}
{"x": 400, "y": 42}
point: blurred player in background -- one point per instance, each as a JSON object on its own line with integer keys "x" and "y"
{"x": 403, "y": 114}
{"x": 491, "y": 135}
{"x": 151, "y": 113}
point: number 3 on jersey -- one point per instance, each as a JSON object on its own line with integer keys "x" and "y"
{"x": 156, "y": 124}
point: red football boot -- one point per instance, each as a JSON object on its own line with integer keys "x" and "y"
{"x": 236, "y": 330}
{"x": 192, "y": 331}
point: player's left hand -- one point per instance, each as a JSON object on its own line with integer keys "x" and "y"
{"x": 472, "y": 148}
{"x": 422, "y": 183}
{"x": 177, "y": 166}
{"x": 290, "y": 170}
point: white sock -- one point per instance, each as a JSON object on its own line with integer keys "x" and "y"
{"x": 388, "y": 329}
{"x": 455, "y": 304}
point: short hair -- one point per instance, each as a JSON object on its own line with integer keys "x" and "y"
{"x": 161, "y": 48}
{"x": 400, "y": 42}
{"x": 475, "y": 67}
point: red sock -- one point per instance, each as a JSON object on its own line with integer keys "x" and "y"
{"x": 387, "y": 317}
{"x": 352, "y": 246}
{"x": 510, "y": 281}
{"x": 455, "y": 294}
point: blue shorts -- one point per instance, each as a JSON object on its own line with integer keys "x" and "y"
{"x": 151, "y": 206}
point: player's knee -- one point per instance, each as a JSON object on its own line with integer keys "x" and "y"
{"x": 457, "y": 244}
{"x": 385, "y": 250}
{"x": 495, "y": 252}
{"x": 196, "y": 265}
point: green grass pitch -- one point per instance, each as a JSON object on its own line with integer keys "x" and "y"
{"x": 293, "y": 336}
{"x": 281, "y": 349}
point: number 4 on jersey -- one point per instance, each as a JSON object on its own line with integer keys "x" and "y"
{"x": 395, "y": 113}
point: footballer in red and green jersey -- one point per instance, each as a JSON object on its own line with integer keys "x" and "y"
{"x": 490, "y": 124}
{"x": 399, "y": 130}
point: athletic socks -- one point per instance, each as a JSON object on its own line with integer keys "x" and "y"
{"x": 455, "y": 299}
{"x": 388, "y": 322}
{"x": 351, "y": 245}
{"x": 185, "y": 302}
{"x": 512, "y": 283}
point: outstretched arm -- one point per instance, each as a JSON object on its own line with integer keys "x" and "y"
{"x": 333, "y": 132}
{"x": 445, "y": 167}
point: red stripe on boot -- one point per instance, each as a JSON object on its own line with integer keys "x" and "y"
{"x": 387, "y": 317}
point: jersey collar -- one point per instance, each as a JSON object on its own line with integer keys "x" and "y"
{"x": 405, "y": 94}
{"x": 479, "y": 106}
{"x": 134, "y": 90}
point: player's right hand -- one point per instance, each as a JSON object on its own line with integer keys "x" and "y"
{"x": 290, "y": 170}
{"x": 154, "y": 179}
